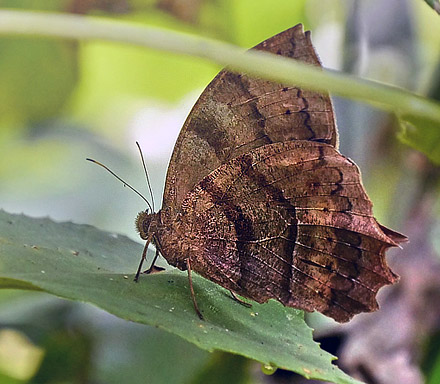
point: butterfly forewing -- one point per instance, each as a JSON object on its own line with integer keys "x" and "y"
{"x": 237, "y": 113}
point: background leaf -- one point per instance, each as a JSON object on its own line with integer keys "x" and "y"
{"x": 423, "y": 135}
{"x": 79, "y": 262}
{"x": 434, "y": 4}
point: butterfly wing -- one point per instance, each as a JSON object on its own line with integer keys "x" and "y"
{"x": 236, "y": 114}
{"x": 292, "y": 222}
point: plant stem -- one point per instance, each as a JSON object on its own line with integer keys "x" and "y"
{"x": 256, "y": 63}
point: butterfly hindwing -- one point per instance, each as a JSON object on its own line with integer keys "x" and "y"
{"x": 263, "y": 226}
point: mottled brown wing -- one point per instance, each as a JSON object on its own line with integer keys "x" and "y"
{"x": 236, "y": 114}
{"x": 292, "y": 222}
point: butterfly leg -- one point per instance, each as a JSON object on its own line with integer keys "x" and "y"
{"x": 242, "y": 302}
{"x": 144, "y": 257}
{"x": 152, "y": 268}
{"x": 193, "y": 296}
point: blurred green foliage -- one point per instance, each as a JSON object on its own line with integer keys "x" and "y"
{"x": 431, "y": 362}
{"x": 434, "y": 4}
{"x": 36, "y": 78}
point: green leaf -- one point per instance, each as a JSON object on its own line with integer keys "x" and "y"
{"x": 434, "y": 4}
{"x": 421, "y": 134}
{"x": 79, "y": 262}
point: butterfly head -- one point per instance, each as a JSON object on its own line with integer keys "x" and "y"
{"x": 146, "y": 223}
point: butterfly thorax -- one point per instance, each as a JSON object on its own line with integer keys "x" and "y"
{"x": 172, "y": 237}
{"x": 163, "y": 230}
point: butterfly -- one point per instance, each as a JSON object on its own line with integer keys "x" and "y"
{"x": 259, "y": 200}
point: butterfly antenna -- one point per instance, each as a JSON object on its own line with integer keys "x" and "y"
{"x": 146, "y": 174}
{"x": 123, "y": 182}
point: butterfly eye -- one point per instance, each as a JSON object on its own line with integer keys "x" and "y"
{"x": 142, "y": 223}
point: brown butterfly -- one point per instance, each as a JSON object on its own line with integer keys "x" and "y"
{"x": 259, "y": 200}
